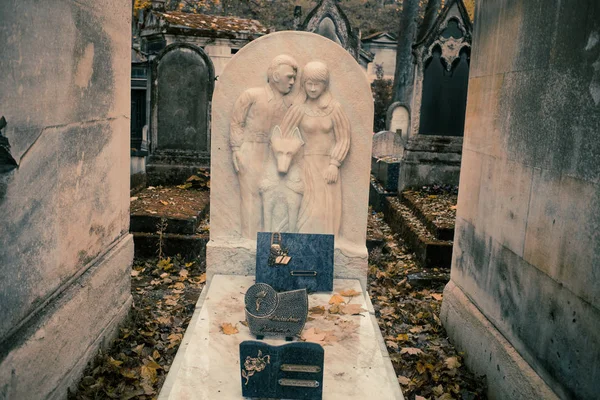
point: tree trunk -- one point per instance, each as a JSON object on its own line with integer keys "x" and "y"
{"x": 431, "y": 13}
{"x": 403, "y": 77}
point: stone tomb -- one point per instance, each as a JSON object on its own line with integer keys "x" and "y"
{"x": 207, "y": 365}
{"x": 246, "y": 110}
{"x": 321, "y": 151}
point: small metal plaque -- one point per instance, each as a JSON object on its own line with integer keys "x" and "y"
{"x": 290, "y": 371}
{"x": 299, "y": 383}
{"x": 270, "y": 313}
{"x": 300, "y": 368}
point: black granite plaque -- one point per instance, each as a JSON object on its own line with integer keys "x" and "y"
{"x": 269, "y": 313}
{"x": 288, "y": 261}
{"x": 290, "y": 371}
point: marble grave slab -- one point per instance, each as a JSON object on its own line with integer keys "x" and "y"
{"x": 207, "y": 365}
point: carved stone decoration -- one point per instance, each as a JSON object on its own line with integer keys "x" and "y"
{"x": 290, "y": 151}
{"x": 256, "y": 112}
{"x": 329, "y": 20}
{"x": 269, "y": 313}
{"x": 450, "y": 48}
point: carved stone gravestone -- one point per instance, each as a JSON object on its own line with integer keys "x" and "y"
{"x": 182, "y": 85}
{"x": 398, "y": 120}
{"x": 329, "y": 20}
{"x": 290, "y": 151}
{"x": 388, "y": 148}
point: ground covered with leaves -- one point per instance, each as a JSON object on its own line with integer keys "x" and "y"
{"x": 438, "y": 203}
{"x": 165, "y": 293}
{"x": 427, "y": 365}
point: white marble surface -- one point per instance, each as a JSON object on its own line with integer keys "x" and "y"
{"x": 207, "y": 363}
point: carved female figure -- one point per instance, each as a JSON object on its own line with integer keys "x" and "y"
{"x": 326, "y": 132}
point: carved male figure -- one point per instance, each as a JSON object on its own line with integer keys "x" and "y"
{"x": 255, "y": 113}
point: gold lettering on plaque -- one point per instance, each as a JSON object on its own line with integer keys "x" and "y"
{"x": 299, "y": 383}
{"x": 300, "y": 368}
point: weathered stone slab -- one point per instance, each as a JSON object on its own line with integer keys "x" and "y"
{"x": 387, "y": 144}
{"x": 207, "y": 365}
{"x": 244, "y": 170}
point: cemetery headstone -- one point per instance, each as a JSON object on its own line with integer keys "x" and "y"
{"x": 398, "y": 120}
{"x": 329, "y": 20}
{"x": 385, "y": 162}
{"x": 290, "y": 151}
{"x": 182, "y": 86}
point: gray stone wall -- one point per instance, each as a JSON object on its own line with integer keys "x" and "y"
{"x": 527, "y": 245}
{"x": 65, "y": 250}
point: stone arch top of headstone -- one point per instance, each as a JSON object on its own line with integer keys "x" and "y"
{"x": 387, "y": 145}
{"x": 329, "y": 20}
{"x": 182, "y": 86}
{"x": 398, "y": 120}
{"x": 246, "y": 110}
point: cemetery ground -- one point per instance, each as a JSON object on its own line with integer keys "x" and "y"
{"x": 406, "y": 299}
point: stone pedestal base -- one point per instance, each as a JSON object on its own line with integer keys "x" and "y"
{"x": 49, "y": 353}
{"x": 238, "y": 257}
{"x": 207, "y": 366}
{"x": 430, "y": 160}
{"x": 488, "y": 353}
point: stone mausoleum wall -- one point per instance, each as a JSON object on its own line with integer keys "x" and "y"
{"x": 65, "y": 250}
{"x": 524, "y": 296}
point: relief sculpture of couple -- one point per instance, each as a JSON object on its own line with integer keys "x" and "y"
{"x": 287, "y": 152}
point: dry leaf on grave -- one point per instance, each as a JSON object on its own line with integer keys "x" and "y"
{"x": 138, "y": 349}
{"x": 350, "y": 293}
{"x": 183, "y": 273}
{"x": 336, "y": 299}
{"x": 313, "y": 335}
{"x": 114, "y": 362}
{"x": 245, "y": 323}
{"x": 148, "y": 374}
{"x": 335, "y": 309}
{"x": 329, "y": 338}
{"x": 201, "y": 279}
{"x": 179, "y": 286}
{"x": 352, "y": 309}
{"x": 317, "y": 310}
{"x": 166, "y": 203}
{"x": 437, "y": 296}
{"x": 228, "y": 329}
{"x": 416, "y": 329}
{"x": 391, "y": 345}
{"x": 135, "y": 273}
{"x": 404, "y": 381}
{"x": 402, "y": 337}
{"x": 413, "y": 351}
{"x": 452, "y": 362}
{"x": 417, "y": 397}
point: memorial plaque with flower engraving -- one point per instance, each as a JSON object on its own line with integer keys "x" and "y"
{"x": 290, "y": 371}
